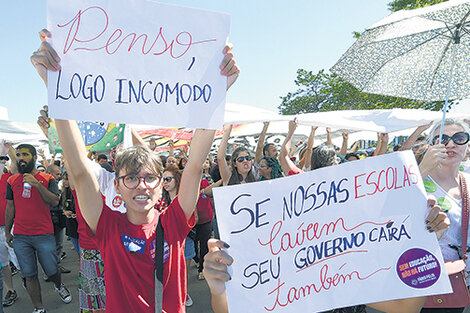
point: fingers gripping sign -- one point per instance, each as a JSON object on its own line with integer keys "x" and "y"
{"x": 45, "y": 58}
{"x": 215, "y": 266}
{"x": 436, "y": 221}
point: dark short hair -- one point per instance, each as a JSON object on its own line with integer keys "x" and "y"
{"x": 102, "y": 157}
{"x": 135, "y": 158}
{"x": 30, "y": 148}
{"x": 266, "y": 147}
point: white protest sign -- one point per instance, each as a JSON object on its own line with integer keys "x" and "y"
{"x": 335, "y": 237}
{"x": 137, "y": 61}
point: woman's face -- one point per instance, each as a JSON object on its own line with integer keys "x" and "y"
{"x": 244, "y": 166}
{"x": 264, "y": 169}
{"x": 169, "y": 181}
{"x": 171, "y": 161}
{"x": 65, "y": 181}
{"x": 206, "y": 165}
{"x": 455, "y": 153}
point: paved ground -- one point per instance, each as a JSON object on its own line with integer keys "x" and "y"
{"x": 197, "y": 289}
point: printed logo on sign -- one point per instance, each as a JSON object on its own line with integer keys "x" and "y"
{"x": 418, "y": 268}
{"x": 166, "y": 251}
{"x": 117, "y": 201}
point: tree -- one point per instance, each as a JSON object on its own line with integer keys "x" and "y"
{"x": 328, "y": 92}
{"x": 398, "y": 5}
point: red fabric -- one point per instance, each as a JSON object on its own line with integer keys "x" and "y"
{"x": 129, "y": 278}
{"x": 32, "y": 215}
{"x": 84, "y": 239}
{"x": 3, "y": 201}
{"x": 203, "y": 206}
{"x": 295, "y": 171}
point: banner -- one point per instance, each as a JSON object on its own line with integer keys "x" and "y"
{"x": 334, "y": 237}
{"x": 137, "y": 61}
{"x": 98, "y": 136}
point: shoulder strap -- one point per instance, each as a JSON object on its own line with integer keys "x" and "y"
{"x": 159, "y": 267}
{"x": 465, "y": 213}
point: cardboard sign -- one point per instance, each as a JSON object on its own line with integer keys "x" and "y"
{"x": 137, "y": 61}
{"x": 335, "y": 237}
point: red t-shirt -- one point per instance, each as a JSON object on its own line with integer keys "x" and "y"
{"x": 128, "y": 252}
{"x": 203, "y": 206}
{"x": 85, "y": 241}
{"x": 32, "y": 215}
{"x": 3, "y": 200}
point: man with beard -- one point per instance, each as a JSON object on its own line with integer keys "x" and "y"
{"x": 29, "y": 195}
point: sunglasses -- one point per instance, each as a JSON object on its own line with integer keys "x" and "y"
{"x": 241, "y": 159}
{"x": 168, "y": 179}
{"x": 459, "y": 138}
{"x": 4, "y": 158}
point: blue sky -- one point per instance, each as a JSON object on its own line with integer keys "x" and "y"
{"x": 272, "y": 39}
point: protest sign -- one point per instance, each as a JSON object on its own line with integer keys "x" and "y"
{"x": 137, "y": 62}
{"x": 334, "y": 237}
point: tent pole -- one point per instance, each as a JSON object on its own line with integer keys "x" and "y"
{"x": 449, "y": 83}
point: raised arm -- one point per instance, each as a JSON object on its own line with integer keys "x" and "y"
{"x": 136, "y": 139}
{"x": 89, "y": 196}
{"x": 412, "y": 138}
{"x": 344, "y": 147}
{"x": 224, "y": 169}
{"x": 308, "y": 153}
{"x": 383, "y": 141}
{"x": 260, "y": 145}
{"x": 190, "y": 181}
{"x": 284, "y": 158}
{"x": 200, "y": 146}
{"x": 329, "y": 142}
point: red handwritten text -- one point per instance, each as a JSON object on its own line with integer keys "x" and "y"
{"x": 112, "y": 41}
{"x": 326, "y": 282}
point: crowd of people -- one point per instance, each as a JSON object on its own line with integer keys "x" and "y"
{"x": 141, "y": 217}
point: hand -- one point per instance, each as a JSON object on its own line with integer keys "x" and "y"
{"x": 292, "y": 126}
{"x": 9, "y": 239}
{"x": 228, "y": 67}
{"x": 422, "y": 128}
{"x": 171, "y": 144}
{"x": 28, "y": 178}
{"x": 265, "y": 124}
{"x": 436, "y": 221}
{"x": 384, "y": 136}
{"x": 345, "y": 136}
{"x": 215, "y": 266}
{"x": 314, "y": 128}
{"x": 68, "y": 213}
{"x": 5, "y": 146}
{"x": 434, "y": 156}
{"x": 43, "y": 118}
{"x": 328, "y": 130}
{"x": 45, "y": 58}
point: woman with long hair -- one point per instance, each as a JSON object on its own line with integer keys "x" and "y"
{"x": 240, "y": 171}
{"x": 269, "y": 168}
{"x": 440, "y": 170}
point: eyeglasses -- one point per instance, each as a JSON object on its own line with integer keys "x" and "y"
{"x": 459, "y": 138}
{"x": 131, "y": 181}
{"x": 241, "y": 159}
{"x": 168, "y": 179}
